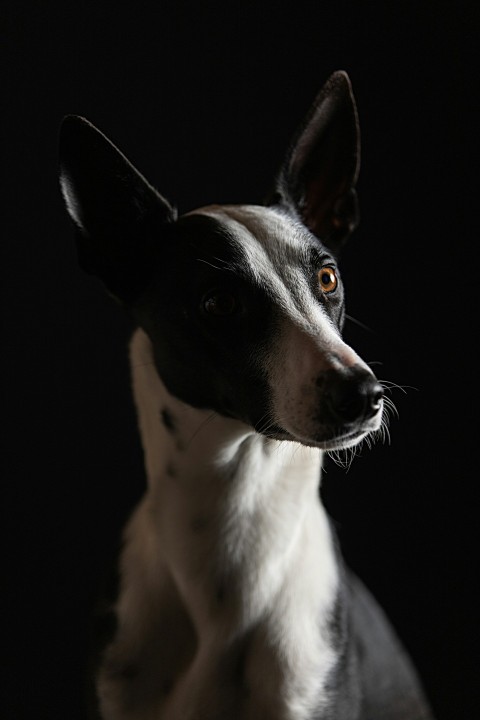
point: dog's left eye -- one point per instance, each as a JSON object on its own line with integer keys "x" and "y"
{"x": 327, "y": 279}
{"x": 220, "y": 303}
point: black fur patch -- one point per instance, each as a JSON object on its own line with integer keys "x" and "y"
{"x": 129, "y": 672}
{"x": 171, "y": 472}
{"x": 220, "y": 594}
{"x": 168, "y": 420}
{"x": 199, "y": 524}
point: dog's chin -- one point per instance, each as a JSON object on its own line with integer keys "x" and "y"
{"x": 342, "y": 442}
{"x": 327, "y": 440}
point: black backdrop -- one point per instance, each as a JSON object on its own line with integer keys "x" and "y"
{"x": 203, "y": 98}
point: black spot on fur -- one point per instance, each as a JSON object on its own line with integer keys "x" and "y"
{"x": 180, "y": 445}
{"x": 129, "y": 672}
{"x": 198, "y": 523}
{"x": 235, "y": 665}
{"x": 168, "y": 420}
{"x": 336, "y": 622}
{"x": 171, "y": 472}
{"x": 167, "y": 686}
{"x": 220, "y": 594}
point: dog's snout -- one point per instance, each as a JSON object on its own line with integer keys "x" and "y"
{"x": 351, "y": 395}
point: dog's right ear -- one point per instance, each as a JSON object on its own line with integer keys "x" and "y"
{"x": 118, "y": 215}
{"x": 317, "y": 180}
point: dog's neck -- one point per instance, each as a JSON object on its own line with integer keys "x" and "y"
{"x": 240, "y": 531}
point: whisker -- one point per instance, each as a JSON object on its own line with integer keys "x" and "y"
{"x": 224, "y": 265}
{"x": 388, "y": 385}
{"x": 205, "y": 262}
{"x": 201, "y": 426}
{"x": 265, "y": 423}
{"x": 385, "y": 433}
{"x": 390, "y": 407}
{"x": 344, "y": 457}
{"x": 357, "y": 322}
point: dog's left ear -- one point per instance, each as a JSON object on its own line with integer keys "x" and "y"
{"x": 119, "y": 217}
{"x": 317, "y": 180}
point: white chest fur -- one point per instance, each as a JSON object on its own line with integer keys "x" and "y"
{"x": 228, "y": 573}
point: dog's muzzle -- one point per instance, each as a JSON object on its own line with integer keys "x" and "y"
{"x": 345, "y": 406}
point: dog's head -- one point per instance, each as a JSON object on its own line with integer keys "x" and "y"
{"x": 243, "y": 304}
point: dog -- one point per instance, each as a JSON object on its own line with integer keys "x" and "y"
{"x": 234, "y": 601}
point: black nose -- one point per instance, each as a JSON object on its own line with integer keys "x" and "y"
{"x": 351, "y": 395}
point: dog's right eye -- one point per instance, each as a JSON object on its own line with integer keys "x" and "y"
{"x": 327, "y": 279}
{"x": 220, "y": 304}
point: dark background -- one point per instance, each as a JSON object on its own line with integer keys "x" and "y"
{"x": 203, "y": 98}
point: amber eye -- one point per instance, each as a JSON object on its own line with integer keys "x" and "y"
{"x": 327, "y": 279}
{"x": 220, "y": 304}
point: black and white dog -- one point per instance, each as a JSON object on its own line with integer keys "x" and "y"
{"x": 234, "y": 602}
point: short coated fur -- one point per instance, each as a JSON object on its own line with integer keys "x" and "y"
{"x": 234, "y": 602}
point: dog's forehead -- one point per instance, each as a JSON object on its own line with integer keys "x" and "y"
{"x": 266, "y": 225}
{"x": 262, "y": 234}
{"x": 276, "y": 254}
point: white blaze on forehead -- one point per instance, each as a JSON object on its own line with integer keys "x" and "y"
{"x": 275, "y": 249}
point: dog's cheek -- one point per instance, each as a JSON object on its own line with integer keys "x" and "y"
{"x": 238, "y": 382}
{"x": 290, "y": 379}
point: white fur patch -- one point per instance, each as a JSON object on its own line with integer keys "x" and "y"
{"x": 229, "y": 564}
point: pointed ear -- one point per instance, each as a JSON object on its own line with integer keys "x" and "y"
{"x": 118, "y": 215}
{"x": 317, "y": 181}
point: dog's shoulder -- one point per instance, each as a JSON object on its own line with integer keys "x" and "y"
{"x": 389, "y": 685}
